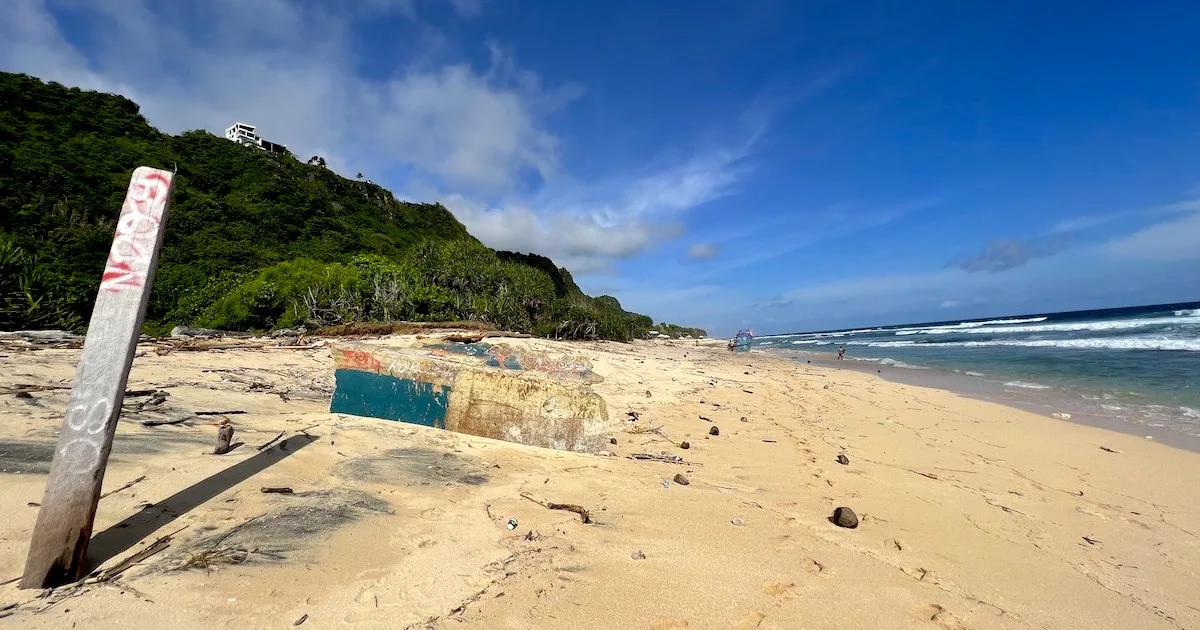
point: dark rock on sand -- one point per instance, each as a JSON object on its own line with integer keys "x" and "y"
{"x": 842, "y": 459}
{"x": 714, "y": 431}
{"x": 685, "y": 445}
{"x": 612, "y": 440}
{"x": 681, "y": 480}
{"x": 844, "y": 517}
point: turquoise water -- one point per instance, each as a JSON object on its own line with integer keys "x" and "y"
{"x": 1140, "y": 364}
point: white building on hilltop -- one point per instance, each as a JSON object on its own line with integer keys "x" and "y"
{"x": 243, "y": 133}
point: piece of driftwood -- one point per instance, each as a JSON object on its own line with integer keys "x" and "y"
{"x": 224, "y": 437}
{"x": 272, "y": 441}
{"x": 158, "y": 546}
{"x": 463, "y": 337}
{"x": 58, "y": 548}
{"x": 584, "y": 515}
{"x": 27, "y": 388}
{"x": 165, "y": 421}
{"x": 124, "y": 487}
{"x": 670, "y": 459}
{"x": 232, "y": 412}
{"x": 277, "y": 490}
{"x": 184, "y": 331}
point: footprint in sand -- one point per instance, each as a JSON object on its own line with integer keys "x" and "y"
{"x": 781, "y": 591}
{"x": 437, "y": 514}
{"x": 892, "y": 543}
{"x": 814, "y": 567}
{"x": 668, "y": 624}
{"x": 942, "y": 617}
{"x": 751, "y": 621}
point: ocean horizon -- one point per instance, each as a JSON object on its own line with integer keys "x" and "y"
{"x": 1132, "y": 368}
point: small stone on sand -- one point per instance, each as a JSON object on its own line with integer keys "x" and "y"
{"x": 845, "y": 517}
{"x": 714, "y": 431}
{"x": 842, "y": 459}
{"x": 738, "y": 521}
{"x": 638, "y": 555}
{"x": 685, "y": 445}
{"x": 681, "y": 480}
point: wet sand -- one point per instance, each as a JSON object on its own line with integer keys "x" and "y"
{"x": 972, "y": 514}
{"x": 1043, "y": 401}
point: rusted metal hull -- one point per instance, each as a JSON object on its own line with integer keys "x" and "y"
{"x": 489, "y": 391}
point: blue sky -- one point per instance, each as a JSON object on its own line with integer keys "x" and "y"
{"x": 782, "y": 165}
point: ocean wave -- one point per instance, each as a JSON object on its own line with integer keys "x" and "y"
{"x": 966, "y": 326}
{"x": 1118, "y": 324}
{"x": 1120, "y": 343}
{"x": 1026, "y": 385}
{"x": 973, "y": 373}
{"x": 892, "y": 363}
{"x": 1188, "y": 312}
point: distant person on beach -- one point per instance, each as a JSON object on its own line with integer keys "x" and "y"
{"x": 842, "y": 352}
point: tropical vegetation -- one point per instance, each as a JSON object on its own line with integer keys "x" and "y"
{"x": 254, "y": 241}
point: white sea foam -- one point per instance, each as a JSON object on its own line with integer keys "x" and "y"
{"x": 964, "y": 326}
{"x": 901, "y": 364}
{"x": 1188, "y": 312}
{"x": 1117, "y": 324}
{"x": 1025, "y": 385}
{"x": 971, "y": 373}
{"x": 1109, "y": 343}
{"x": 891, "y": 363}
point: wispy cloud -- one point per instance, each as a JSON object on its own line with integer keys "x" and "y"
{"x": 1173, "y": 240}
{"x": 467, "y": 135}
{"x": 702, "y": 251}
{"x": 1008, "y": 253}
{"x": 589, "y": 226}
{"x": 290, "y": 67}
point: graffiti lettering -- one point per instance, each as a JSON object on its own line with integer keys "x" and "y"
{"x": 137, "y": 231}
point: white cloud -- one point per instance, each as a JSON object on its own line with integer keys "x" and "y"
{"x": 578, "y": 242}
{"x": 702, "y": 251}
{"x": 469, "y": 133}
{"x": 290, "y": 70}
{"x": 1174, "y": 240}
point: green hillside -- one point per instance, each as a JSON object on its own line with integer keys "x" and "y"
{"x": 254, "y": 241}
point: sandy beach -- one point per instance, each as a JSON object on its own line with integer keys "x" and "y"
{"x": 972, "y": 514}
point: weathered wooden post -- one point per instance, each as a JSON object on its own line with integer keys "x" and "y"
{"x": 57, "y": 552}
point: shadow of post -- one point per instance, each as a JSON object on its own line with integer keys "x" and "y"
{"x": 121, "y": 536}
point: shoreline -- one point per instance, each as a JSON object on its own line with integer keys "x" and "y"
{"x": 1041, "y": 400}
{"x": 971, "y": 514}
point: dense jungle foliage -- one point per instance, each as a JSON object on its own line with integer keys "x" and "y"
{"x": 254, "y": 241}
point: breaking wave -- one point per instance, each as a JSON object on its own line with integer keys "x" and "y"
{"x": 1110, "y": 343}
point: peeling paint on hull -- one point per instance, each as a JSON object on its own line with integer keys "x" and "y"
{"x": 491, "y": 393}
{"x": 362, "y": 393}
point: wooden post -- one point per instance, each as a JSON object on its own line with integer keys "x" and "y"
{"x": 224, "y": 437}
{"x": 58, "y": 549}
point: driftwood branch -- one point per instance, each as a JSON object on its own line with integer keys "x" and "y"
{"x": 124, "y": 487}
{"x": 584, "y": 515}
{"x": 272, "y": 441}
{"x": 154, "y": 548}
{"x": 165, "y": 421}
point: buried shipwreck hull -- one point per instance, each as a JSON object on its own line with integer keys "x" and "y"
{"x": 479, "y": 389}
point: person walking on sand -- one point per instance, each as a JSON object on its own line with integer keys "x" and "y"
{"x": 841, "y": 352}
